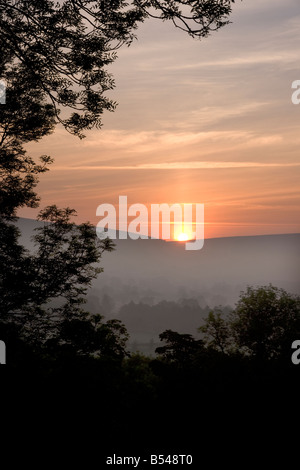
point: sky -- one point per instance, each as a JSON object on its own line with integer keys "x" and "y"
{"x": 208, "y": 122}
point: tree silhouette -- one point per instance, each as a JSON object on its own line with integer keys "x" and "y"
{"x": 25, "y": 117}
{"x": 41, "y": 292}
{"x": 216, "y": 330}
{"x": 263, "y": 324}
{"x": 64, "y": 262}
{"x": 63, "y": 48}
{"x": 179, "y": 348}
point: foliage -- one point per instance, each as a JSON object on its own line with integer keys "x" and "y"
{"x": 263, "y": 324}
{"x": 179, "y": 348}
{"x": 89, "y": 335}
{"x": 63, "y": 48}
{"x": 216, "y": 331}
{"x": 25, "y": 117}
{"x": 42, "y": 291}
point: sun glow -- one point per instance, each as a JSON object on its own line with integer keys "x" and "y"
{"x": 182, "y": 237}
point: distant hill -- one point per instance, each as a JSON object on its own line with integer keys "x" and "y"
{"x": 148, "y": 272}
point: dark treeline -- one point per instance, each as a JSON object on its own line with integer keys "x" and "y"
{"x": 239, "y": 371}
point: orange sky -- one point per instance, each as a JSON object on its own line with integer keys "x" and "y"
{"x": 198, "y": 122}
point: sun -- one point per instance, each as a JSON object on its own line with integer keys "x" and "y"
{"x": 182, "y": 237}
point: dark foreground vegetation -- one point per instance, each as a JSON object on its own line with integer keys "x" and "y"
{"x": 236, "y": 383}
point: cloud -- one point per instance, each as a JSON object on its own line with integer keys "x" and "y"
{"x": 181, "y": 166}
{"x": 209, "y": 121}
{"x": 243, "y": 60}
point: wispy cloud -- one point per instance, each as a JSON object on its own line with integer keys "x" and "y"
{"x": 180, "y": 166}
{"x": 240, "y": 61}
